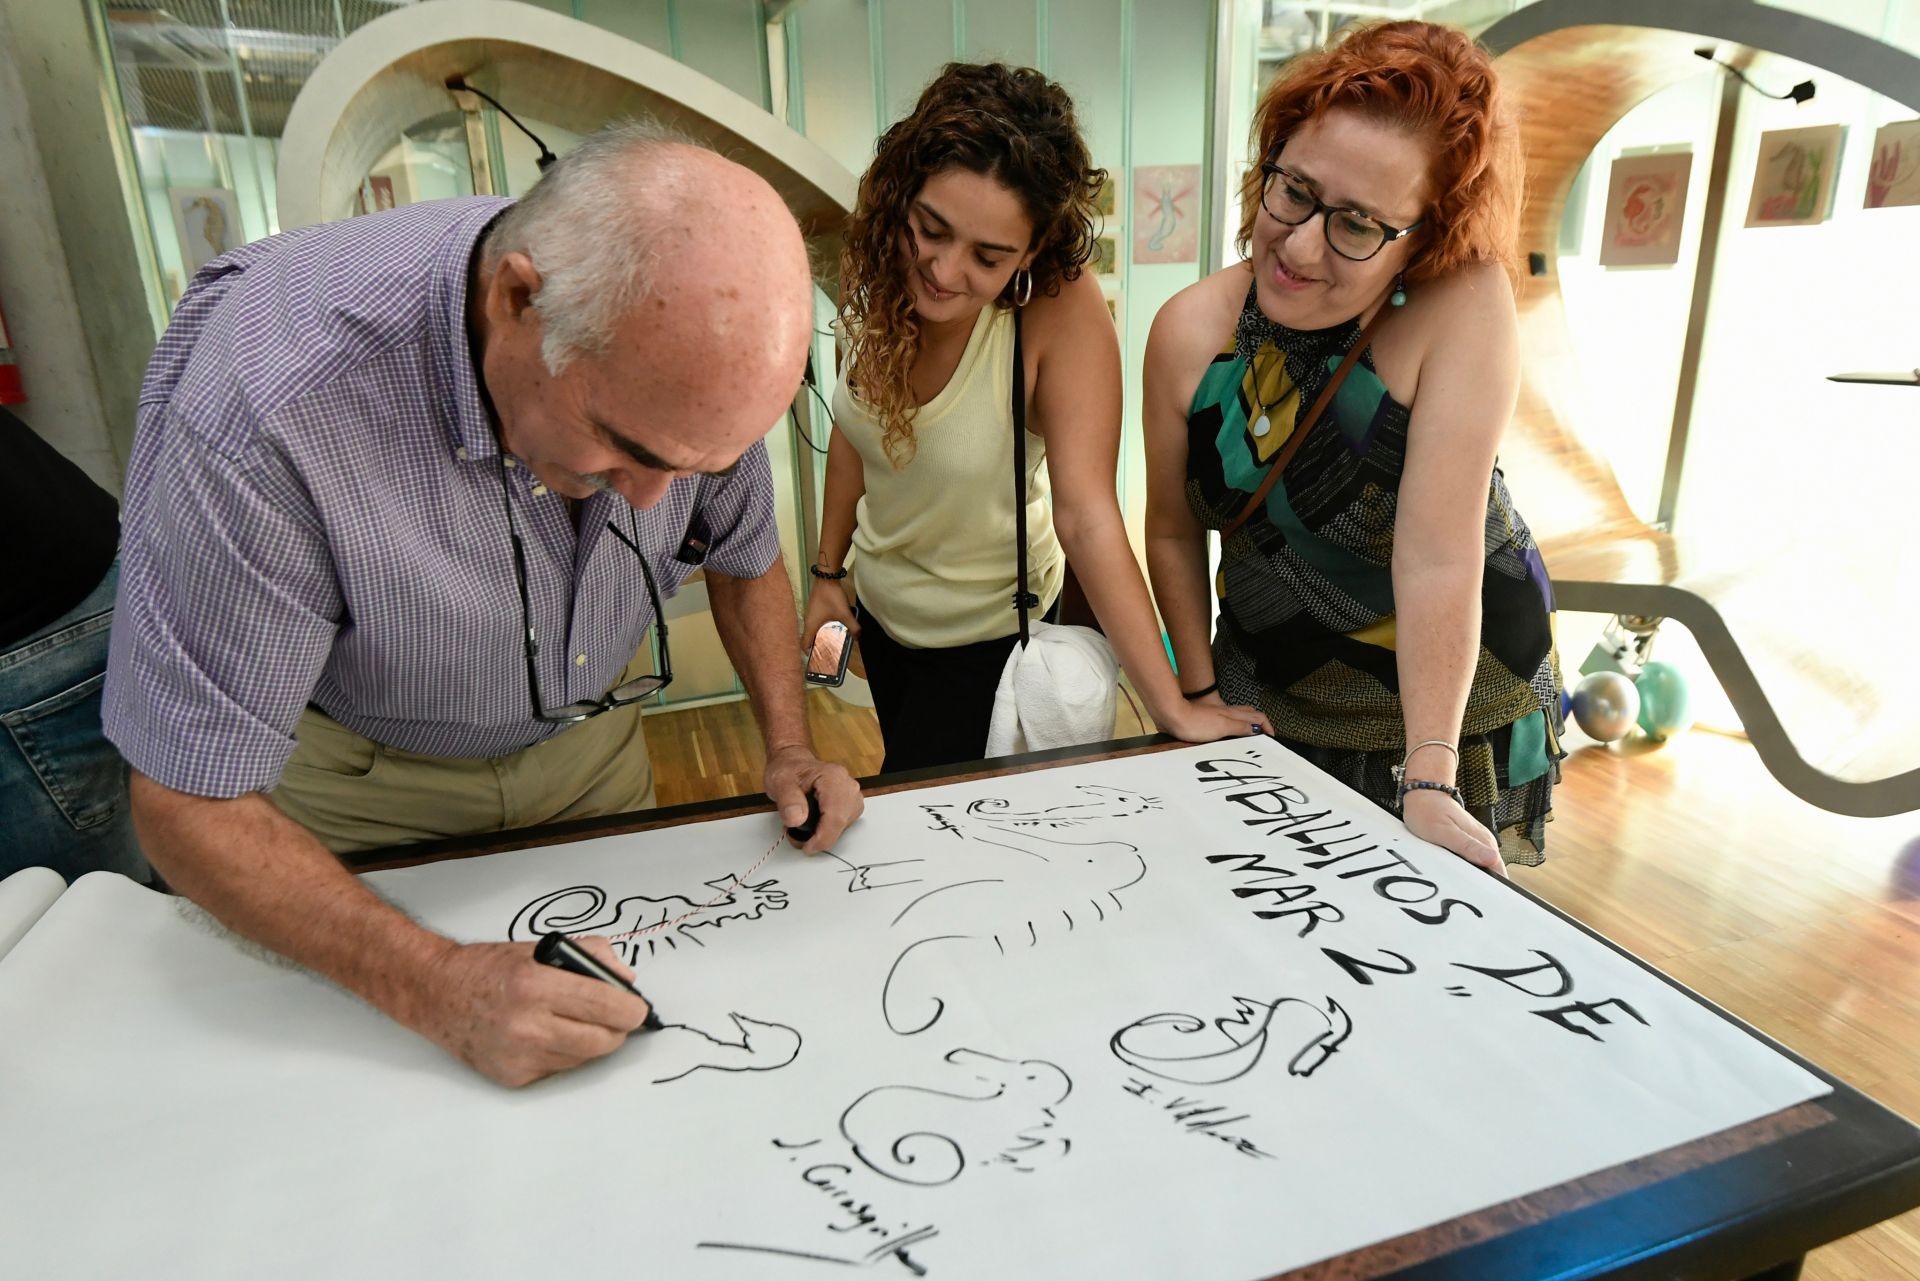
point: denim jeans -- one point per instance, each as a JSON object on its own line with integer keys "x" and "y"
{"x": 63, "y": 786}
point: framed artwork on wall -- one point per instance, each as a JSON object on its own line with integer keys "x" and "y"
{"x": 1103, "y": 202}
{"x": 1166, "y": 213}
{"x": 1646, "y": 202}
{"x": 1893, "y": 178}
{"x": 208, "y": 222}
{"x": 1793, "y": 176}
{"x": 374, "y": 195}
{"x": 1106, "y": 256}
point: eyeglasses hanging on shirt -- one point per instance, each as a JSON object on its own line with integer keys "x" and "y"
{"x": 808, "y": 384}
{"x": 626, "y": 692}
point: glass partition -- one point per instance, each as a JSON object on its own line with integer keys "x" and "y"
{"x": 205, "y": 87}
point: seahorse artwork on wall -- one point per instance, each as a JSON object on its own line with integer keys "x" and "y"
{"x": 213, "y": 225}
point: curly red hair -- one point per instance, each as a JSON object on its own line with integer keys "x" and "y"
{"x": 1435, "y": 84}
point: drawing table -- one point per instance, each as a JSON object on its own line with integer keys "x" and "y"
{"x": 1743, "y": 1205}
{"x": 1735, "y": 1204}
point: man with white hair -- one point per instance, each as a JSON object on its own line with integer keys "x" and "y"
{"x": 405, "y": 494}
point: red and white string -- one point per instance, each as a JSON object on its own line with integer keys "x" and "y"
{"x": 724, "y": 896}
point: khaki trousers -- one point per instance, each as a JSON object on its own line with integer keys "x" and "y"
{"x": 356, "y": 794}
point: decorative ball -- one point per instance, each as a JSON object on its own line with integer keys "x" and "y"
{"x": 1666, "y": 706}
{"x": 1605, "y": 705}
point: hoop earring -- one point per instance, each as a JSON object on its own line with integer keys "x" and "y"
{"x": 1398, "y": 297}
{"x": 1022, "y": 287}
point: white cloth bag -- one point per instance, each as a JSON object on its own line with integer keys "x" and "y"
{"x": 1055, "y": 691}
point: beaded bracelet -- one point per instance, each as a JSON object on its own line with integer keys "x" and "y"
{"x": 1200, "y": 693}
{"x": 831, "y": 575}
{"x": 1424, "y": 785}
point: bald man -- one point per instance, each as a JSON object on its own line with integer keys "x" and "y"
{"x": 405, "y": 496}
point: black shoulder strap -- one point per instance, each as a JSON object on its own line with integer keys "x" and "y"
{"x": 1023, "y": 600}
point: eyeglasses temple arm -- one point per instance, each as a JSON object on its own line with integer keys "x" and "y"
{"x": 659, "y": 610}
{"x": 526, "y": 619}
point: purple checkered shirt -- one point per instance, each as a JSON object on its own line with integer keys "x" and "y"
{"x": 314, "y": 514}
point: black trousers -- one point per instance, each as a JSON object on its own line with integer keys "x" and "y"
{"x": 935, "y": 705}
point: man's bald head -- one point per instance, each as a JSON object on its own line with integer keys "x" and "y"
{"x": 636, "y": 212}
{"x": 728, "y": 314}
{"x": 649, "y": 292}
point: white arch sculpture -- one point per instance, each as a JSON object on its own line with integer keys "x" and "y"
{"x": 1577, "y": 67}
{"x": 394, "y": 70}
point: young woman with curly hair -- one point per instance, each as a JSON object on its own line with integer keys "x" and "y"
{"x": 978, "y": 207}
{"x": 1383, "y": 602}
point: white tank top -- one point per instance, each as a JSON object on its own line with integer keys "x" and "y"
{"x": 934, "y": 540}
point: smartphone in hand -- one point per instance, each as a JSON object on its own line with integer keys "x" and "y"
{"x": 827, "y": 659}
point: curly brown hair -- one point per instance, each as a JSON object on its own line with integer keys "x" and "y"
{"x": 1011, "y": 124}
{"x": 1439, "y": 86}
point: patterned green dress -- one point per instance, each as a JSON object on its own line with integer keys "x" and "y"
{"x": 1306, "y": 587}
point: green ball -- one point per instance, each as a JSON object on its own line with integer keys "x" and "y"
{"x": 1666, "y": 707}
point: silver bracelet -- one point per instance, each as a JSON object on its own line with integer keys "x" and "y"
{"x": 1399, "y": 771}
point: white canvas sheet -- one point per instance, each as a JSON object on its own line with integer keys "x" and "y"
{"x": 25, "y": 897}
{"x": 1198, "y": 1014}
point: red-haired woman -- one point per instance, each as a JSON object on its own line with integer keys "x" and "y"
{"x": 978, "y": 207}
{"x": 1382, "y": 602}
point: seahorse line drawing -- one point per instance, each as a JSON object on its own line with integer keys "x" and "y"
{"x": 1039, "y": 874}
{"x": 1105, "y": 803}
{"x": 678, "y": 1050}
{"x": 928, "y": 1137}
{"x": 582, "y": 909}
{"x": 1196, "y": 1051}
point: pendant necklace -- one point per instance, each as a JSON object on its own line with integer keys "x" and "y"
{"x": 1264, "y": 424}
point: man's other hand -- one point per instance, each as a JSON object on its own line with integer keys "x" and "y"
{"x": 792, "y": 772}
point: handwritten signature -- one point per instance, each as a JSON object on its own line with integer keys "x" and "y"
{"x": 827, "y": 1178}
{"x": 1196, "y": 1116}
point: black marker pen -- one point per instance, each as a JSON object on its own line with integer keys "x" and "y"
{"x": 561, "y": 952}
{"x": 804, "y": 831}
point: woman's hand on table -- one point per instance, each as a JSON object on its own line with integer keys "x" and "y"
{"x": 1205, "y": 720}
{"x": 1436, "y": 817}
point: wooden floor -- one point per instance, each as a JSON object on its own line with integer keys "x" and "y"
{"x": 1803, "y": 923}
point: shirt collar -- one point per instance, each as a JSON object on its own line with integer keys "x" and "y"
{"x": 460, "y": 404}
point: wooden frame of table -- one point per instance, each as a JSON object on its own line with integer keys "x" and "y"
{"x": 1745, "y": 1204}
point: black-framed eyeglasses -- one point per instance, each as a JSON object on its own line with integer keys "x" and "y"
{"x": 1353, "y": 235}
{"x": 620, "y": 695}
